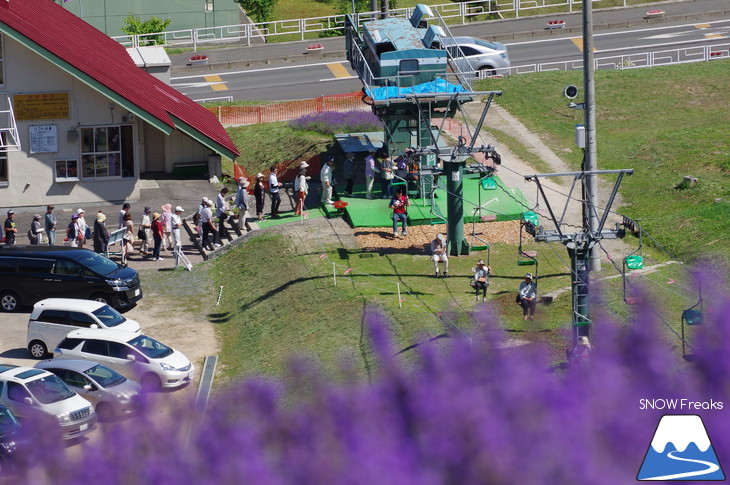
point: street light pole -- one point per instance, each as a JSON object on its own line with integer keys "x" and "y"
{"x": 591, "y": 184}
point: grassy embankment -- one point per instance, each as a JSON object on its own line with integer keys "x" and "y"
{"x": 663, "y": 122}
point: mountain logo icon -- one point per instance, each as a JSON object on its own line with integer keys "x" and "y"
{"x": 680, "y": 450}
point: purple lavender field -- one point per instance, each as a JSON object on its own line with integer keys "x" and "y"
{"x": 479, "y": 412}
{"x": 331, "y": 122}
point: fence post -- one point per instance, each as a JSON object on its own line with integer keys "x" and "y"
{"x": 400, "y": 303}
{"x": 517, "y": 9}
{"x": 301, "y": 27}
{"x": 258, "y": 113}
{"x": 248, "y": 30}
{"x": 334, "y": 272}
{"x": 219, "y": 115}
{"x": 462, "y": 11}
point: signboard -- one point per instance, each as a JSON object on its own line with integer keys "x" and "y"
{"x": 44, "y": 139}
{"x": 45, "y": 106}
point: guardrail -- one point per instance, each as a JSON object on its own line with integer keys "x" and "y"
{"x": 300, "y": 29}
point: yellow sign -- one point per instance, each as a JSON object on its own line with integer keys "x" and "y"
{"x": 43, "y": 106}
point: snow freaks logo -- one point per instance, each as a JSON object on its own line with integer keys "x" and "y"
{"x": 680, "y": 450}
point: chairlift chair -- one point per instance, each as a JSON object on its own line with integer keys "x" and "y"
{"x": 528, "y": 223}
{"x": 633, "y": 261}
{"x": 691, "y": 316}
{"x": 486, "y": 182}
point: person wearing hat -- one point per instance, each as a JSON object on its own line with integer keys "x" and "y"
{"x": 176, "y": 225}
{"x": 50, "y": 222}
{"x": 369, "y": 173}
{"x": 208, "y": 227}
{"x": 36, "y": 230}
{"x": 259, "y": 192}
{"x": 145, "y": 231}
{"x": 326, "y": 176}
{"x": 482, "y": 272}
{"x": 84, "y": 229}
{"x": 165, "y": 219}
{"x": 101, "y": 234}
{"x": 274, "y": 189}
{"x": 348, "y": 173}
{"x": 438, "y": 254}
{"x": 242, "y": 203}
{"x": 301, "y": 188}
{"x": 527, "y": 297}
{"x": 158, "y": 232}
{"x": 73, "y": 232}
{"x": 386, "y": 175}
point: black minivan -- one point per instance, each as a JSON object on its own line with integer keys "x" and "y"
{"x": 32, "y": 273}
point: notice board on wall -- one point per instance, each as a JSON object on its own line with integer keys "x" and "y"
{"x": 41, "y": 106}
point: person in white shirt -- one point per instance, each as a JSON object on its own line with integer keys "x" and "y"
{"x": 274, "y": 188}
{"x": 301, "y": 188}
{"x": 176, "y": 226}
{"x": 221, "y": 212}
{"x": 326, "y": 176}
{"x": 146, "y": 228}
{"x": 438, "y": 254}
{"x": 83, "y": 228}
{"x": 369, "y": 173}
{"x": 209, "y": 230}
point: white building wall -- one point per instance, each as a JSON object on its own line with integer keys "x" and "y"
{"x": 31, "y": 180}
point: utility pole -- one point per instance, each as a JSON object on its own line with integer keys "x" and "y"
{"x": 590, "y": 165}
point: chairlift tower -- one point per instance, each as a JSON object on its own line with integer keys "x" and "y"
{"x": 579, "y": 244}
{"x": 413, "y": 83}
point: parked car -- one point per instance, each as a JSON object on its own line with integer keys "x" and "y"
{"x": 137, "y": 357}
{"x": 111, "y": 393}
{"x": 53, "y": 318}
{"x": 31, "y": 273}
{"x": 16, "y": 446}
{"x": 35, "y": 394}
{"x": 471, "y": 54}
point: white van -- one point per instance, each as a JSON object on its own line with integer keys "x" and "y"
{"x": 31, "y": 393}
{"x": 53, "y": 318}
{"x": 135, "y": 356}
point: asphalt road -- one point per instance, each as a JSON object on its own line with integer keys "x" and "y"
{"x": 303, "y": 80}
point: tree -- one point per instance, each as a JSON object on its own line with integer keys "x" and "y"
{"x": 134, "y": 26}
{"x": 260, "y": 10}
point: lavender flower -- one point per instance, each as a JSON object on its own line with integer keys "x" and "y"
{"x": 467, "y": 412}
{"x": 331, "y": 122}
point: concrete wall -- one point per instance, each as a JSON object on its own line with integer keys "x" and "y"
{"x": 108, "y": 15}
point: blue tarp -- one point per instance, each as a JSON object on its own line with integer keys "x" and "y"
{"x": 437, "y": 86}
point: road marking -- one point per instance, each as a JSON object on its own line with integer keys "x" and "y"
{"x": 702, "y": 26}
{"x": 714, "y": 36}
{"x": 578, "y": 41}
{"x": 339, "y": 78}
{"x": 607, "y": 34}
{"x": 217, "y": 82}
{"x": 338, "y": 69}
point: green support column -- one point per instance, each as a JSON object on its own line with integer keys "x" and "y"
{"x": 579, "y": 258}
{"x": 454, "y": 173}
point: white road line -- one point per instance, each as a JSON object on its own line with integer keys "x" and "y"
{"x": 257, "y": 70}
{"x": 338, "y": 78}
{"x": 623, "y": 32}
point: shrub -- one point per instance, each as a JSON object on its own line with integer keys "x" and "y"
{"x": 331, "y": 122}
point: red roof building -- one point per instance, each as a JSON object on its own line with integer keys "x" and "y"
{"x": 80, "y": 122}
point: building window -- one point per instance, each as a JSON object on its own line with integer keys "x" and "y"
{"x": 67, "y": 170}
{"x": 209, "y": 5}
{"x": 106, "y": 151}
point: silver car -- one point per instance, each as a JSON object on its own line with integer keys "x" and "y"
{"x": 470, "y": 54}
{"x": 111, "y": 393}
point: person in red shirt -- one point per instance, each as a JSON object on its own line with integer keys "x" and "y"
{"x": 399, "y": 203}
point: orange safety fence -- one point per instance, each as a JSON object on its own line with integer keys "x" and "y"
{"x": 288, "y": 110}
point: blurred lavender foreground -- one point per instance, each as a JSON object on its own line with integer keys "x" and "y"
{"x": 479, "y": 413}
